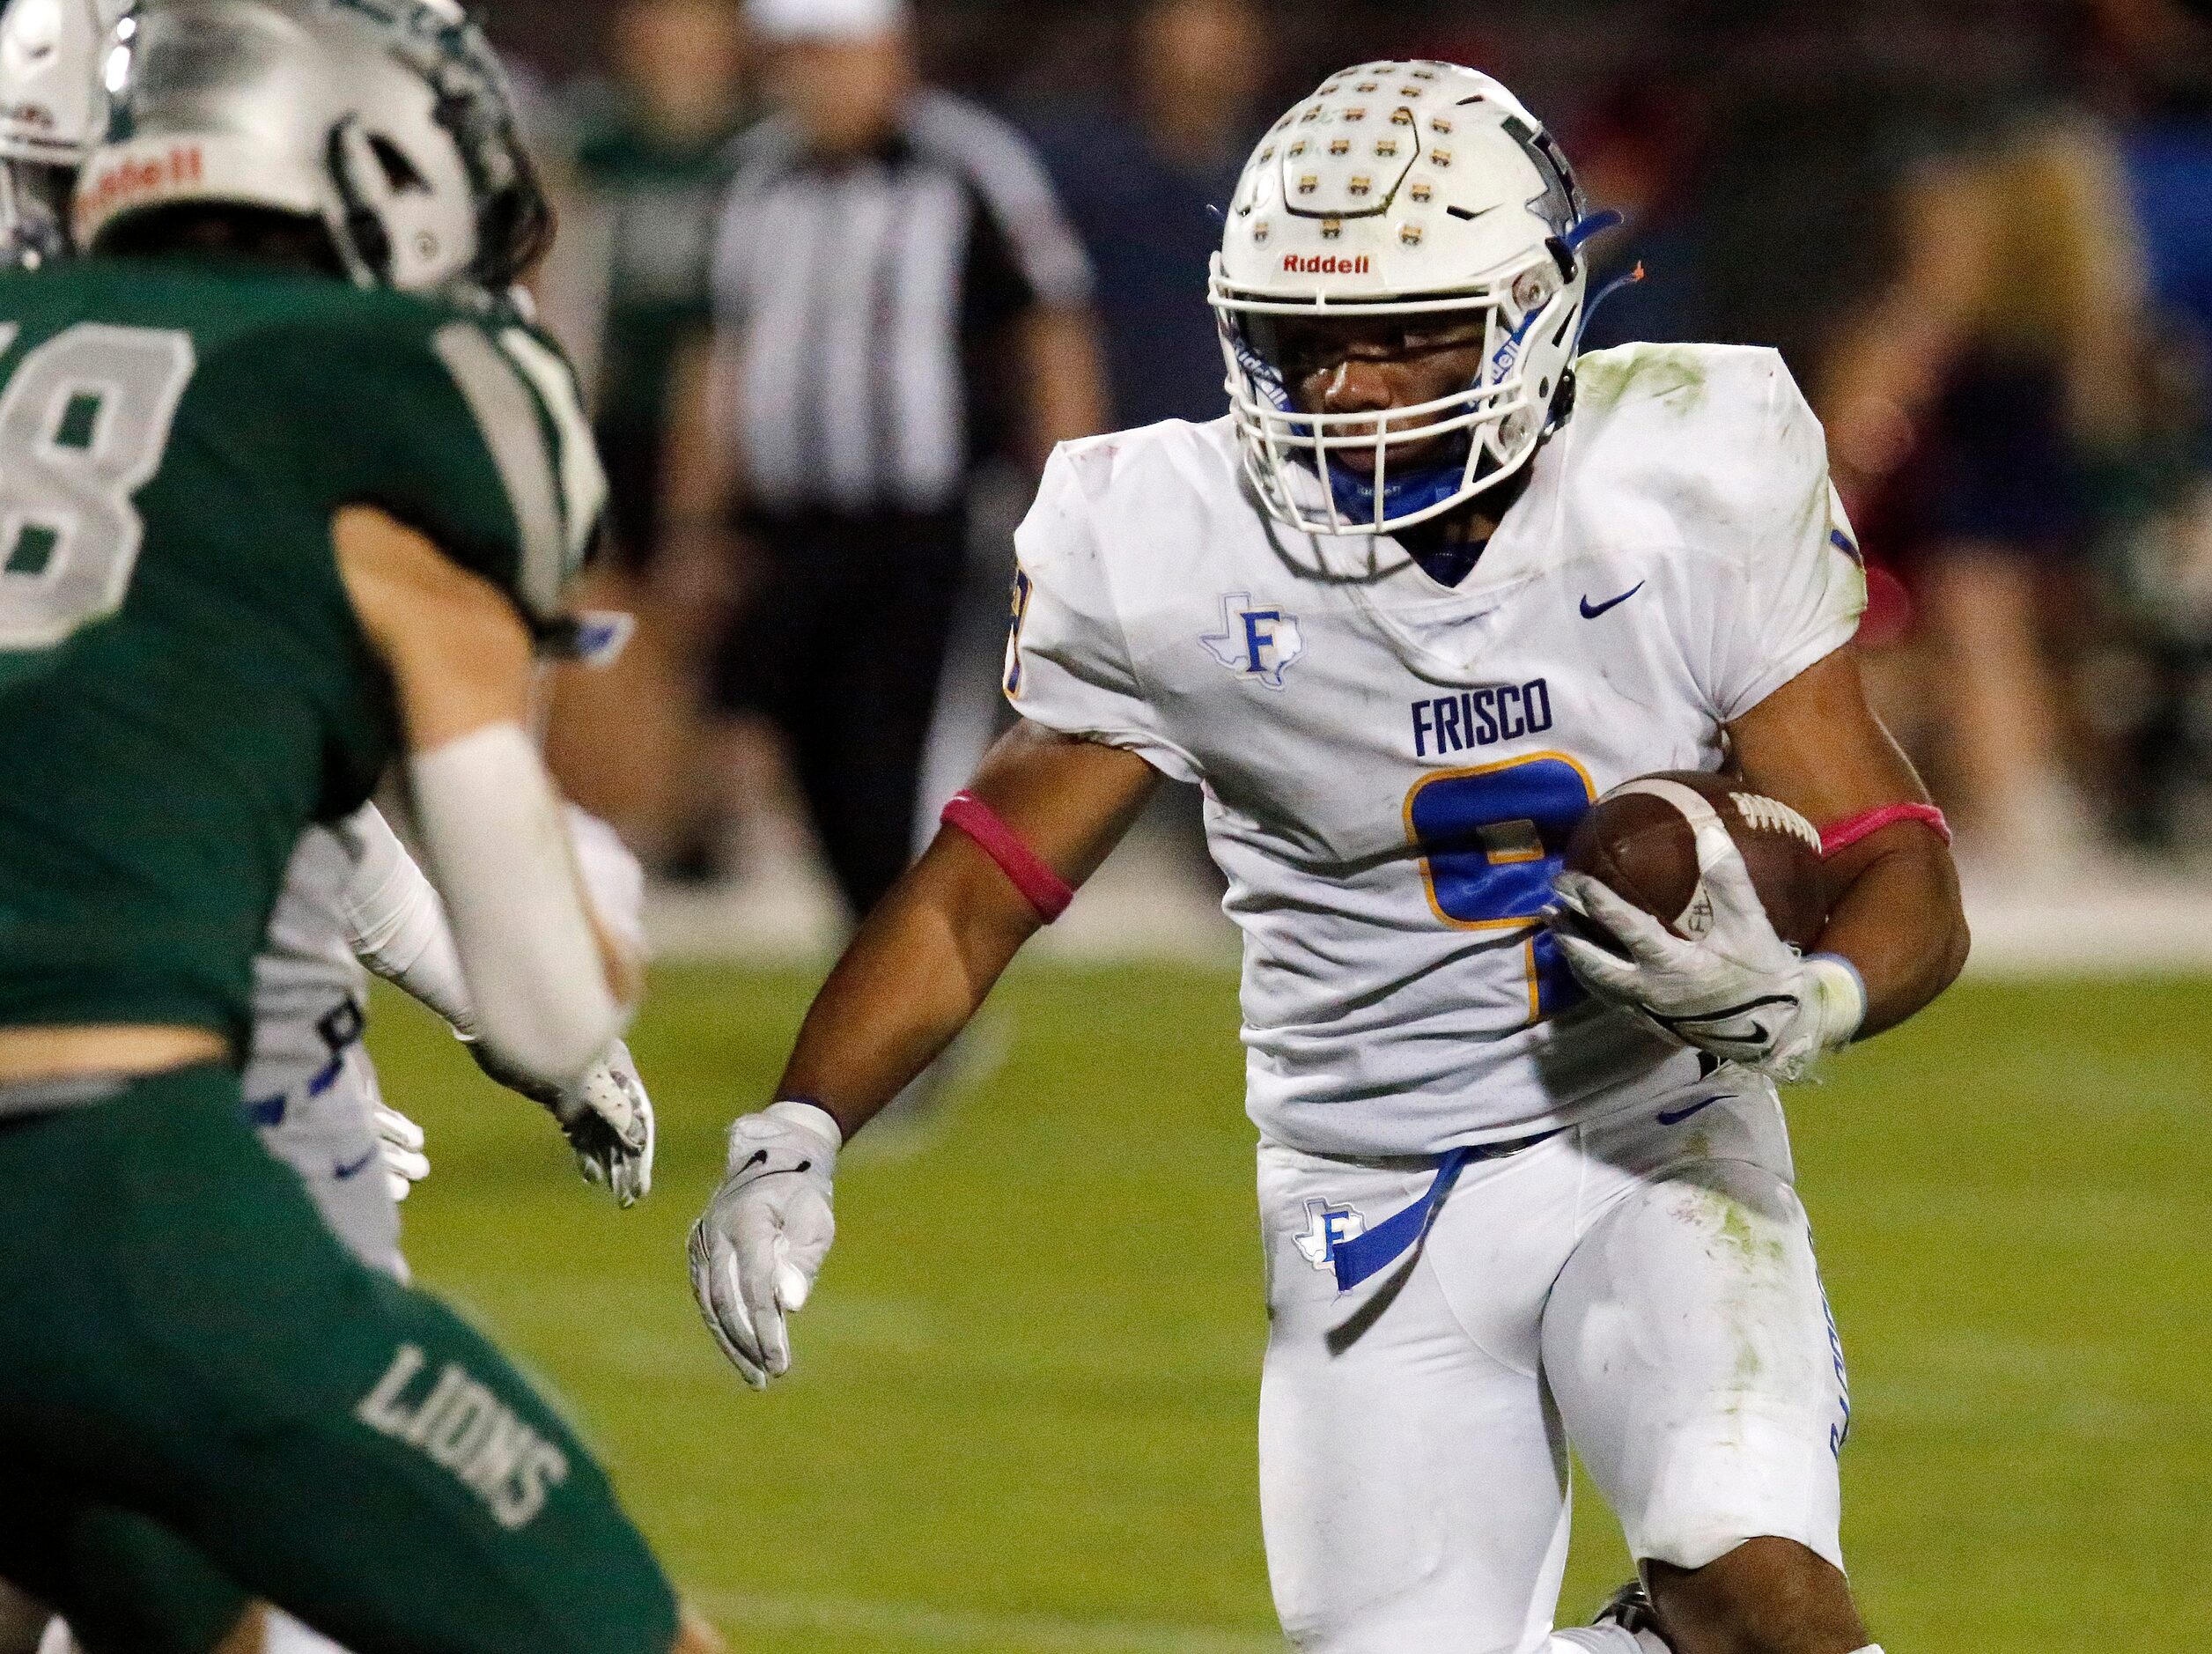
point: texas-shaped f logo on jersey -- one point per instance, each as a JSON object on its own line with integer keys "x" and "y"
{"x": 1327, "y": 1227}
{"x": 1255, "y": 640}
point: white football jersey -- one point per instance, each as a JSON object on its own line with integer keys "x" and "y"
{"x": 1391, "y": 768}
{"x": 311, "y": 1089}
{"x": 309, "y": 990}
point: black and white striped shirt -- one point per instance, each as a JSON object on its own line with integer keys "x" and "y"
{"x": 852, "y": 296}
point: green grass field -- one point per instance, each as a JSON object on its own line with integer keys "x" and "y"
{"x": 1024, "y": 1418}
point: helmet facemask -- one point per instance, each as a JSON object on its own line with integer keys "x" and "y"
{"x": 389, "y": 122}
{"x": 1352, "y": 473}
{"x": 476, "y": 106}
{"x": 385, "y": 190}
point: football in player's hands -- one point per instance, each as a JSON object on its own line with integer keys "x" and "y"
{"x": 1640, "y": 841}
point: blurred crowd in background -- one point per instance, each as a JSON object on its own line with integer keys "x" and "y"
{"x": 839, "y": 273}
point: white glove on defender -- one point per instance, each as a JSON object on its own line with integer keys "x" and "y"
{"x": 756, "y": 1252}
{"x": 1738, "y": 992}
{"x": 608, "y": 1121}
{"x": 399, "y": 1141}
{"x": 606, "y": 1116}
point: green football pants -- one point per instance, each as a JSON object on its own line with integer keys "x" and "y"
{"x": 182, "y": 1340}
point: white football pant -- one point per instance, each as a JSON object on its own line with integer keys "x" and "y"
{"x": 1641, "y": 1287}
{"x": 330, "y": 1138}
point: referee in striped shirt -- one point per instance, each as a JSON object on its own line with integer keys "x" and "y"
{"x": 897, "y": 294}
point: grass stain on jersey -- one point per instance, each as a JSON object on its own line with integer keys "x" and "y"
{"x": 1672, "y": 374}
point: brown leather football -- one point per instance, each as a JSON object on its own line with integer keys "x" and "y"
{"x": 1638, "y": 839}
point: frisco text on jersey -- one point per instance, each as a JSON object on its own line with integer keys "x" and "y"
{"x": 1481, "y": 717}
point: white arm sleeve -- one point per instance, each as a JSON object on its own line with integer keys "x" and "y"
{"x": 499, "y": 848}
{"x": 396, "y": 923}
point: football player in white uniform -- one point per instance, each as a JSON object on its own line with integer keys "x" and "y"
{"x": 1434, "y": 586}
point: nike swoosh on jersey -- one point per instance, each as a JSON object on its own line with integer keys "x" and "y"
{"x": 1591, "y": 611}
{"x": 346, "y": 1174}
{"x": 1675, "y": 1116}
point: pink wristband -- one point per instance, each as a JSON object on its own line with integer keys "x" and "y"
{"x": 1044, "y": 889}
{"x": 1836, "y": 839}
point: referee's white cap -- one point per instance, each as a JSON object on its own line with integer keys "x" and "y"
{"x": 781, "y": 21}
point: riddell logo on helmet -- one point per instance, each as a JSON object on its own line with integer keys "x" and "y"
{"x": 135, "y": 177}
{"x": 1326, "y": 264}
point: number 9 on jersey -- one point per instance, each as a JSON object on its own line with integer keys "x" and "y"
{"x": 1491, "y": 840}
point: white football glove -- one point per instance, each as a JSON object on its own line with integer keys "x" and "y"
{"x": 399, "y": 1141}
{"x": 756, "y": 1252}
{"x": 608, "y": 1121}
{"x": 1738, "y": 991}
{"x": 606, "y": 1116}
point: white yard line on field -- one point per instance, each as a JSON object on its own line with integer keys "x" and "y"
{"x": 938, "y": 1627}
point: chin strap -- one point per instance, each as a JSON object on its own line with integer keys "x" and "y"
{"x": 1415, "y": 491}
{"x": 1591, "y": 227}
{"x": 1582, "y": 233}
{"x": 1618, "y": 285}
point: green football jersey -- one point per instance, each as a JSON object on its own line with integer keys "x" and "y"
{"x": 183, "y": 686}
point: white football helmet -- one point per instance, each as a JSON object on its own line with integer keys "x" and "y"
{"x": 1402, "y": 190}
{"x": 53, "y": 110}
{"x": 390, "y": 122}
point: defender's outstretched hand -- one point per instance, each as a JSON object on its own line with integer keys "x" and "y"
{"x": 756, "y": 1252}
{"x": 606, "y": 1116}
{"x": 609, "y": 1121}
{"x": 1739, "y": 992}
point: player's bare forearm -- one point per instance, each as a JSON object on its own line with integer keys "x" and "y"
{"x": 927, "y": 957}
{"x": 1894, "y": 909}
{"x": 919, "y": 968}
{"x": 1905, "y": 965}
